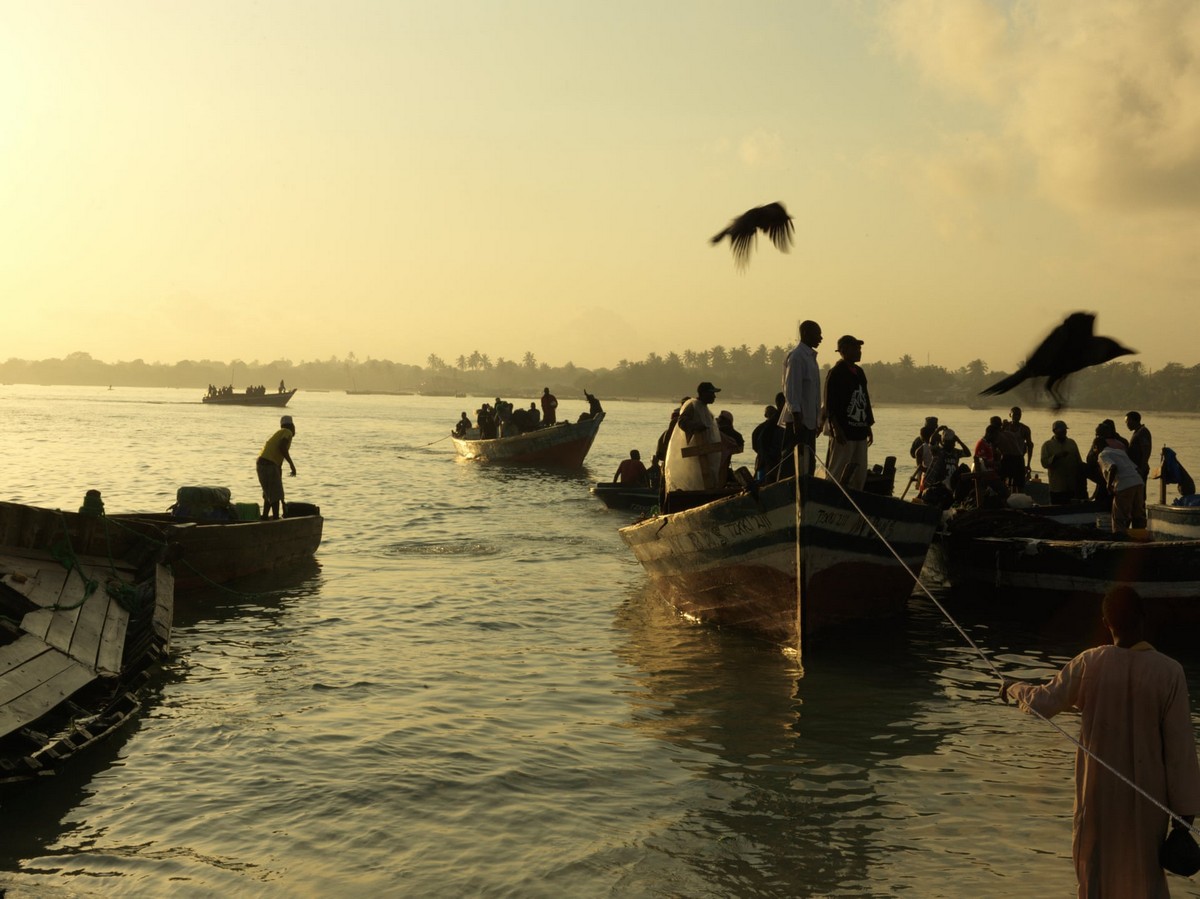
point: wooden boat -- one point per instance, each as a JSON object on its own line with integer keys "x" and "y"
{"x": 79, "y": 636}
{"x": 1022, "y": 561}
{"x": 249, "y": 399}
{"x": 620, "y": 496}
{"x": 1173, "y": 522}
{"x": 733, "y": 561}
{"x": 562, "y": 445}
{"x": 201, "y": 553}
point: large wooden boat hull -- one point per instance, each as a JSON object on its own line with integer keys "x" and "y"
{"x": 249, "y": 399}
{"x": 563, "y": 445}
{"x": 1003, "y": 564}
{"x": 200, "y": 553}
{"x": 1168, "y": 569}
{"x": 732, "y": 562}
{"x": 82, "y": 633}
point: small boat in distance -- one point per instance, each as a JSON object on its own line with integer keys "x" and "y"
{"x": 81, "y": 635}
{"x": 733, "y": 561}
{"x": 561, "y": 445}
{"x": 249, "y": 399}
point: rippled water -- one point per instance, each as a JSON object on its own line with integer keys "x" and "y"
{"x": 474, "y": 692}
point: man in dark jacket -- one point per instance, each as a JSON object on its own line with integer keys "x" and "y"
{"x": 849, "y": 415}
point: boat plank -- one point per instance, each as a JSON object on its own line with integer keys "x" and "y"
{"x": 110, "y": 641}
{"x": 39, "y": 663}
{"x": 38, "y": 686}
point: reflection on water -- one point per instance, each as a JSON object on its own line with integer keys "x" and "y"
{"x": 474, "y": 692}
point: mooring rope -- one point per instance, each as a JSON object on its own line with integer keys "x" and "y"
{"x": 941, "y": 608}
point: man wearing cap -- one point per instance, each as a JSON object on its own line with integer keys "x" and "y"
{"x": 695, "y": 431}
{"x": 1063, "y": 464}
{"x": 801, "y": 415}
{"x": 274, "y": 453}
{"x": 848, "y": 411}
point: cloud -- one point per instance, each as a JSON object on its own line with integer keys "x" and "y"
{"x": 1103, "y": 96}
{"x": 761, "y": 149}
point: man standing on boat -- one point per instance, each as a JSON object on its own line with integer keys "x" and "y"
{"x": 275, "y": 452}
{"x": 1140, "y": 445}
{"x": 549, "y": 404}
{"x": 801, "y": 414}
{"x": 1063, "y": 464}
{"x": 849, "y": 415}
{"x": 694, "y": 451}
{"x": 1135, "y": 715}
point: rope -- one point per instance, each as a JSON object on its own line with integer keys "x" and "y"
{"x": 439, "y": 440}
{"x": 1078, "y": 745}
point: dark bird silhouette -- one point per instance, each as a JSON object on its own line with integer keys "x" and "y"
{"x": 772, "y": 219}
{"x": 1069, "y": 348}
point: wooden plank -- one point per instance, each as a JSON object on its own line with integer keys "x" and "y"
{"x": 36, "y": 669}
{"x": 20, "y": 651}
{"x": 63, "y": 621}
{"x": 110, "y": 642}
{"x": 88, "y": 640}
{"x": 53, "y": 681}
{"x": 164, "y": 602}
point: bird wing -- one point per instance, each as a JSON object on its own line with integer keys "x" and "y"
{"x": 1057, "y": 355}
{"x": 772, "y": 219}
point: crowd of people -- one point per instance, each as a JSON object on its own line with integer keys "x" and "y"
{"x": 252, "y": 390}
{"x": 1114, "y": 471}
{"x": 501, "y": 419}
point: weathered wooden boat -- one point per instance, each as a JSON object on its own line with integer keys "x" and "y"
{"x": 562, "y": 445}
{"x": 79, "y": 637}
{"x": 201, "y": 553}
{"x": 733, "y": 561}
{"x": 1006, "y": 556}
{"x": 249, "y": 399}
{"x": 622, "y": 496}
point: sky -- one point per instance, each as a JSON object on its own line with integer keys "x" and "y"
{"x": 288, "y": 179}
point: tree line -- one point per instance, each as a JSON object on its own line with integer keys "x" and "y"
{"x": 743, "y": 373}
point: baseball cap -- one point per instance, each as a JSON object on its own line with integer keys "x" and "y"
{"x": 848, "y": 340}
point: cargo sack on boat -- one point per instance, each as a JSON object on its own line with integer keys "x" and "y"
{"x": 295, "y": 510}
{"x": 204, "y": 504}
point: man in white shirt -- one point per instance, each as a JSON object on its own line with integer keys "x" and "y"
{"x": 1126, "y": 486}
{"x": 801, "y": 415}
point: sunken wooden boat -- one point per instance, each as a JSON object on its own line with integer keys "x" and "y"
{"x": 80, "y": 635}
{"x": 732, "y": 562}
{"x": 1006, "y": 555}
{"x": 561, "y": 445}
{"x": 202, "y": 553}
{"x": 622, "y": 496}
{"x": 249, "y": 399}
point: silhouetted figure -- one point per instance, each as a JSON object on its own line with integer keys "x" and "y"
{"x": 772, "y": 219}
{"x": 1069, "y": 348}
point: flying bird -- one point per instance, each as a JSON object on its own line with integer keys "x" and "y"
{"x": 773, "y": 220}
{"x": 1069, "y": 348}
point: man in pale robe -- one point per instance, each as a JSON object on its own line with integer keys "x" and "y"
{"x": 696, "y": 428}
{"x": 1135, "y": 714}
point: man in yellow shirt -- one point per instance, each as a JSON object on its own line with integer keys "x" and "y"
{"x": 274, "y": 453}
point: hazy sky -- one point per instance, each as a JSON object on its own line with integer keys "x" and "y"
{"x": 279, "y": 179}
